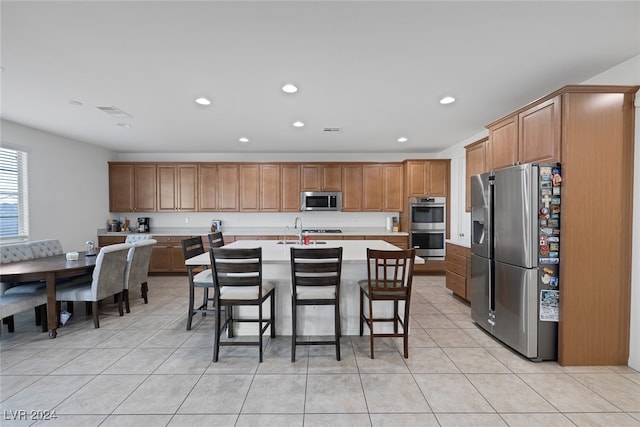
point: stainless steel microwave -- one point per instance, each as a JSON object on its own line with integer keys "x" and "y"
{"x": 320, "y": 201}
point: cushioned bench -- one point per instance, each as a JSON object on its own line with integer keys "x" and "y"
{"x": 16, "y": 303}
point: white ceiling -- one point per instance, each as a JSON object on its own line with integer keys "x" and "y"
{"x": 376, "y": 70}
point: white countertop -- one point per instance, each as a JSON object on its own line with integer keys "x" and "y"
{"x": 258, "y": 231}
{"x": 272, "y": 252}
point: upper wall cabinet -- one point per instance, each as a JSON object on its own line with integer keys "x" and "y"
{"x": 290, "y": 187}
{"x": 531, "y": 135}
{"x": 476, "y": 163}
{"x": 321, "y": 177}
{"x": 218, "y": 187}
{"x": 382, "y": 187}
{"x": 259, "y": 187}
{"x": 228, "y": 187}
{"x": 352, "y": 187}
{"x": 207, "y": 187}
{"x": 427, "y": 177}
{"x": 177, "y": 187}
{"x": 132, "y": 187}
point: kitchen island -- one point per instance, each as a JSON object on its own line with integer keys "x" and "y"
{"x": 312, "y": 320}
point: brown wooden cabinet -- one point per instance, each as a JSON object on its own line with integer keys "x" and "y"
{"x": 110, "y": 240}
{"x": 539, "y": 132}
{"x": 177, "y": 187}
{"x": 290, "y": 187}
{"x": 530, "y": 135}
{"x": 352, "y": 187}
{"x": 167, "y": 255}
{"x": 132, "y": 187}
{"x": 321, "y": 177}
{"x": 503, "y": 140}
{"x": 427, "y": 177}
{"x": 249, "y": 187}
{"x": 458, "y": 260}
{"x": 228, "y": 187}
{"x": 382, "y": 187}
{"x": 259, "y": 187}
{"x": 476, "y": 162}
{"x": 207, "y": 187}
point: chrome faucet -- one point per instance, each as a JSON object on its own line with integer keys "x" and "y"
{"x": 295, "y": 226}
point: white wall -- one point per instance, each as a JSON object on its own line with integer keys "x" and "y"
{"x": 68, "y": 185}
{"x": 628, "y": 73}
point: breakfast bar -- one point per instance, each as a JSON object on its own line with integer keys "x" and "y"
{"x": 317, "y": 320}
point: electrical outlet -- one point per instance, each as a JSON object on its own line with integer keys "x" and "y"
{"x": 186, "y": 220}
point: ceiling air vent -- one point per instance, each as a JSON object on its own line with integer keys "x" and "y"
{"x": 332, "y": 130}
{"x": 115, "y": 112}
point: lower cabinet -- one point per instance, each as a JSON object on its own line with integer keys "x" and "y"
{"x": 110, "y": 240}
{"x": 167, "y": 255}
{"x": 458, "y": 261}
{"x": 400, "y": 241}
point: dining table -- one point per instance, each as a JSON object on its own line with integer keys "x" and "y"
{"x": 49, "y": 269}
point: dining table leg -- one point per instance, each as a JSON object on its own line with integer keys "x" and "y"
{"x": 52, "y": 312}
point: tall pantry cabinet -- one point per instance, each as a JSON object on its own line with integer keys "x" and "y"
{"x": 590, "y": 130}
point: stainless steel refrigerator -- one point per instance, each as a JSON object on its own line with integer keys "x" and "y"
{"x": 515, "y": 256}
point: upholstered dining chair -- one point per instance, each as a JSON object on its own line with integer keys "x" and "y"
{"x": 137, "y": 270}
{"x": 315, "y": 280}
{"x": 106, "y": 280}
{"x": 237, "y": 277}
{"x": 200, "y": 279}
{"x": 16, "y": 303}
{"x": 389, "y": 278}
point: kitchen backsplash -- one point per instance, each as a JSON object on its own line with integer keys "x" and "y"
{"x": 262, "y": 219}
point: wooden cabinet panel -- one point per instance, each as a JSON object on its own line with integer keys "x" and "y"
{"x": 228, "y": 187}
{"x": 352, "y": 187}
{"x": 372, "y": 187}
{"x": 457, "y": 262}
{"x": 177, "y": 187}
{"x": 475, "y": 164}
{"x": 249, "y": 187}
{"x": 207, "y": 187}
{"x": 393, "y": 188}
{"x": 438, "y": 178}
{"x": 167, "y": 255}
{"x": 321, "y": 177}
{"x": 503, "y": 139}
{"x": 270, "y": 187}
{"x": 110, "y": 240}
{"x": 132, "y": 187}
{"x": 427, "y": 177}
{"x": 121, "y": 188}
{"x": 145, "y": 188}
{"x": 416, "y": 178}
{"x": 539, "y": 132}
{"x": 290, "y": 187}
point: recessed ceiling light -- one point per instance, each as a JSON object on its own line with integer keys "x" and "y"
{"x": 289, "y": 88}
{"x": 124, "y": 125}
{"x": 243, "y": 139}
{"x": 298, "y": 124}
{"x": 447, "y": 100}
{"x": 203, "y": 101}
{"x": 402, "y": 139}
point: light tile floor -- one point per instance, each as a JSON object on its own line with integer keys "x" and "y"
{"x": 146, "y": 369}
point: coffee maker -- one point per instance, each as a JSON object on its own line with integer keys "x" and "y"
{"x": 143, "y": 224}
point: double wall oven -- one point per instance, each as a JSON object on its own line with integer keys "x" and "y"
{"x": 428, "y": 226}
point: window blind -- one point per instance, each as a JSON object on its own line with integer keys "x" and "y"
{"x": 14, "y": 209}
